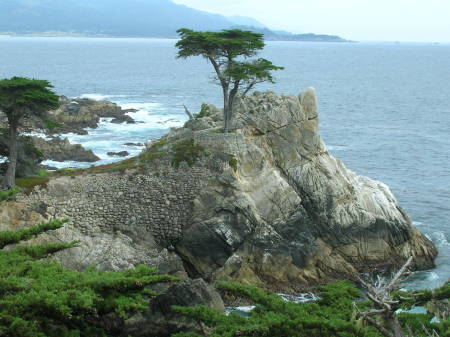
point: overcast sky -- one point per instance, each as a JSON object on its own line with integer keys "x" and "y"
{"x": 378, "y": 20}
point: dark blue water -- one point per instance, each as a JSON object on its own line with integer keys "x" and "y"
{"x": 384, "y": 108}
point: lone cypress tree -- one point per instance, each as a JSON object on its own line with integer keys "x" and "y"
{"x": 21, "y": 98}
{"x": 228, "y": 51}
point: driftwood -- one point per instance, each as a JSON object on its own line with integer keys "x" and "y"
{"x": 380, "y": 293}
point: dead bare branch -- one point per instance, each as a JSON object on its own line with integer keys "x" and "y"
{"x": 187, "y": 112}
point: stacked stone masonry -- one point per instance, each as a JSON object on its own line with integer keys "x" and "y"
{"x": 132, "y": 203}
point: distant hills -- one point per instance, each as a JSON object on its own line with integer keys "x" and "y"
{"x": 124, "y": 18}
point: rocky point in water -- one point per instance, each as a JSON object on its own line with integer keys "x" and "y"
{"x": 73, "y": 116}
{"x": 77, "y": 114}
{"x": 265, "y": 204}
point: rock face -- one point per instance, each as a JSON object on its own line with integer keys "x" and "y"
{"x": 267, "y": 205}
{"x": 161, "y": 320}
{"x": 290, "y": 212}
{"x": 61, "y": 150}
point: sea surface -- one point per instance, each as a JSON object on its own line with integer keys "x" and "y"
{"x": 384, "y": 107}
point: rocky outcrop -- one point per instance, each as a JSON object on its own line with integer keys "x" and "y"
{"x": 265, "y": 204}
{"x": 76, "y": 114}
{"x": 58, "y": 149}
{"x": 289, "y": 212}
{"x": 161, "y": 320}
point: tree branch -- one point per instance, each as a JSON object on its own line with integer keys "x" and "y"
{"x": 385, "y": 332}
{"x": 187, "y": 112}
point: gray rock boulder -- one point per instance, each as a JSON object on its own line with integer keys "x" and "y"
{"x": 161, "y": 320}
{"x": 58, "y": 149}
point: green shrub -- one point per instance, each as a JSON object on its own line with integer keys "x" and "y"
{"x": 204, "y": 112}
{"x": 41, "y": 298}
{"x": 331, "y": 316}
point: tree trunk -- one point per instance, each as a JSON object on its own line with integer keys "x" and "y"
{"x": 9, "y": 181}
{"x": 226, "y": 112}
{"x": 395, "y": 326}
{"x": 229, "y": 107}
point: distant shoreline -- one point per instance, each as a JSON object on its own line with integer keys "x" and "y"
{"x": 293, "y": 38}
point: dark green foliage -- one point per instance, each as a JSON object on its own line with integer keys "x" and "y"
{"x": 22, "y": 98}
{"x": 273, "y": 317}
{"x": 420, "y": 297}
{"x": 330, "y": 316}
{"x": 227, "y": 52}
{"x": 186, "y": 151}
{"x": 204, "y": 112}
{"x": 10, "y": 237}
{"x": 42, "y": 298}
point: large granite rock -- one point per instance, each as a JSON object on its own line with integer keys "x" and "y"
{"x": 288, "y": 212}
{"x": 268, "y": 205}
{"x": 58, "y": 149}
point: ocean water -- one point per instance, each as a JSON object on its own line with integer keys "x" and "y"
{"x": 384, "y": 108}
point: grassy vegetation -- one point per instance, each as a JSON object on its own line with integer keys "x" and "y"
{"x": 4, "y": 195}
{"x": 40, "y": 298}
{"x": 31, "y": 182}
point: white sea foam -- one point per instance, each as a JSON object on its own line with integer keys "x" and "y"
{"x": 244, "y": 310}
{"x": 336, "y": 147}
{"x": 301, "y": 298}
{"x": 36, "y": 134}
{"x": 151, "y": 118}
{"x": 149, "y": 106}
{"x": 440, "y": 238}
{"x": 101, "y": 97}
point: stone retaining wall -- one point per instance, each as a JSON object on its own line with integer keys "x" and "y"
{"x": 136, "y": 204}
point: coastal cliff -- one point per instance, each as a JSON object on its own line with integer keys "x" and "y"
{"x": 265, "y": 204}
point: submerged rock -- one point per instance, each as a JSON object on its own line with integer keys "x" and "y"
{"x": 118, "y": 154}
{"x": 265, "y": 204}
